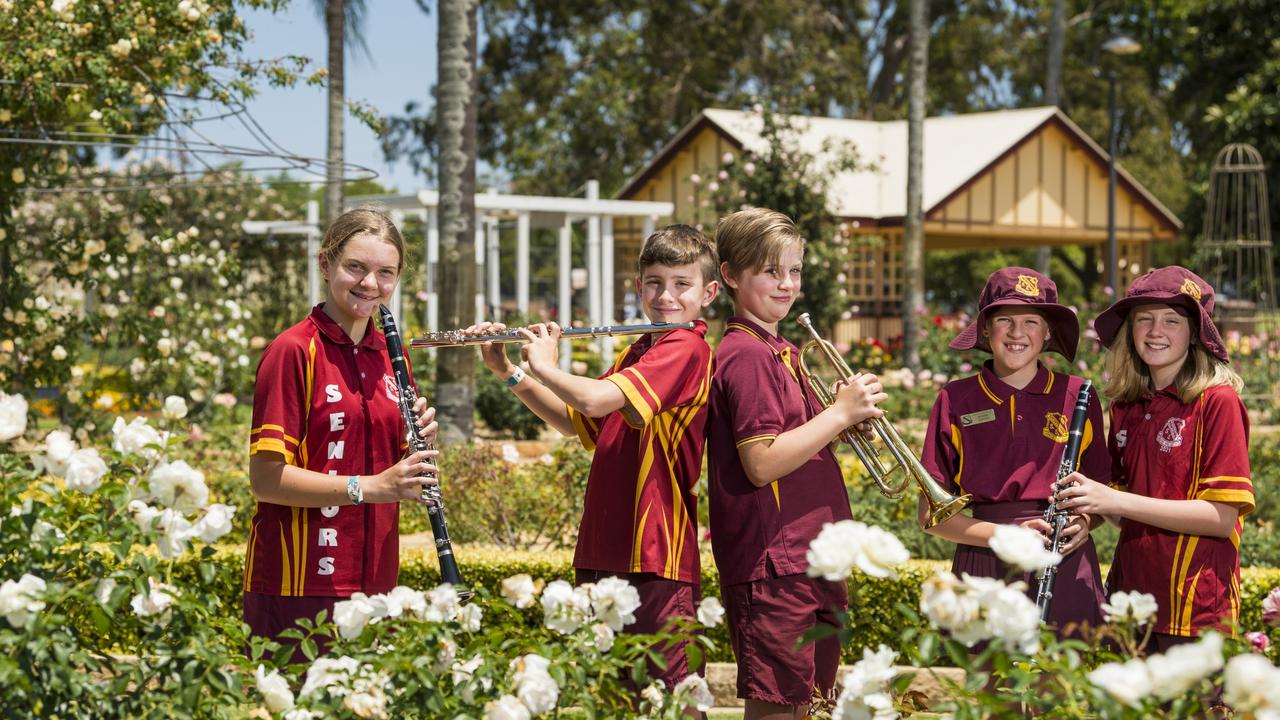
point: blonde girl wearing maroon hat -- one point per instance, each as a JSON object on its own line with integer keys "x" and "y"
{"x": 1179, "y": 443}
{"x": 999, "y": 435}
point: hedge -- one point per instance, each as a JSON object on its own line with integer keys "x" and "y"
{"x": 873, "y": 602}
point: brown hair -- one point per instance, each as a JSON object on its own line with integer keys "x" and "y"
{"x": 1131, "y": 378}
{"x": 679, "y": 245}
{"x": 748, "y": 239}
{"x": 368, "y": 220}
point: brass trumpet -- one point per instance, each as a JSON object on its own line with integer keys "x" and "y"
{"x": 904, "y": 465}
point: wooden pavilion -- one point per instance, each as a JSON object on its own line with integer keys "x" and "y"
{"x": 1004, "y": 179}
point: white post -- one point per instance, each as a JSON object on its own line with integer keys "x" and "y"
{"x": 522, "y": 264}
{"x": 608, "y": 275}
{"x": 397, "y": 296}
{"x": 493, "y": 265}
{"x": 480, "y": 257}
{"x": 433, "y": 262}
{"x": 313, "y": 253}
{"x": 593, "y": 258}
{"x": 565, "y": 296}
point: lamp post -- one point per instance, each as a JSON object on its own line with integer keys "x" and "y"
{"x": 1119, "y": 45}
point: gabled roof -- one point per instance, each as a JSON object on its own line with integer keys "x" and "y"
{"x": 957, "y": 150}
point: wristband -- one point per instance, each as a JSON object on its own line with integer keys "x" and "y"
{"x": 354, "y": 491}
{"x": 515, "y": 378}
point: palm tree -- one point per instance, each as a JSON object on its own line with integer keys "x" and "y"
{"x": 913, "y": 223}
{"x": 343, "y": 20}
{"x": 456, "y": 128}
{"x": 1052, "y": 88}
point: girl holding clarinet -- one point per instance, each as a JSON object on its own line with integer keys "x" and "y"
{"x": 1179, "y": 443}
{"x": 1000, "y": 436}
{"x": 327, "y": 463}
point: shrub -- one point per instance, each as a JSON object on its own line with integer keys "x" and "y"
{"x": 502, "y": 411}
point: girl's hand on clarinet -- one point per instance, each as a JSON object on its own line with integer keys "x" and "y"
{"x": 404, "y": 480}
{"x": 427, "y": 425}
{"x": 1040, "y": 526}
{"x": 1074, "y": 534}
{"x": 1080, "y": 494}
{"x": 493, "y": 354}
{"x": 543, "y": 347}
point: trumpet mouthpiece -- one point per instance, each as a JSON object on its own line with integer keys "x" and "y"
{"x": 804, "y": 319}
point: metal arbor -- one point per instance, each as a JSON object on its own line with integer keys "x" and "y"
{"x": 1236, "y": 256}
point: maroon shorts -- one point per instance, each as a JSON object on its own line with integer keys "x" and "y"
{"x": 269, "y": 615}
{"x": 660, "y": 600}
{"x": 767, "y": 619}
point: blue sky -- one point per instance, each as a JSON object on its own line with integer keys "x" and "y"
{"x": 400, "y": 66}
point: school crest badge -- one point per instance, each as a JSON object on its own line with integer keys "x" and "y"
{"x": 1170, "y": 436}
{"x": 1189, "y": 287}
{"x": 393, "y": 390}
{"x": 1028, "y": 285}
{"x": 1055, "y": 427}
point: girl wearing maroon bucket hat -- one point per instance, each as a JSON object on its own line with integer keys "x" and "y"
{"x": 1179, "y": 444}
{"x": 1000, "y": 435}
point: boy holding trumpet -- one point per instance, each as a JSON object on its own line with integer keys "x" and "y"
{"x": 645, "y": 420}
{"x": 774, "y": 481}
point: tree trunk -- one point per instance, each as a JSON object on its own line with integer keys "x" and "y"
{"x": 913, "y": 223}
{"x": 1052, "y": 88}
{"x": 456, "y": 121}
{"x": 335, "y": 15}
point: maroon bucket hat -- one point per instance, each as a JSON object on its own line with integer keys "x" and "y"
{"x": 1176, "y": 287}
{"x": 1023, "y": 288}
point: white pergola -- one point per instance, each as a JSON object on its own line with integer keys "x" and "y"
{"x": 529, "y": 212}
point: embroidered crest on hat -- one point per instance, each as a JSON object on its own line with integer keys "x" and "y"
{"x": 1055, "y": 427}
{"x": 1028, "y": 285}
{"x": 1189, "y": 287}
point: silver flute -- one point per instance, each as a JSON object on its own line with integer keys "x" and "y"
{"x": 458, "y": 338}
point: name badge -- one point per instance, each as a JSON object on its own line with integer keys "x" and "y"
{"x": 977, "y": 418}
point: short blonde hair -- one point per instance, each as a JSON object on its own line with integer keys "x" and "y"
{"x": 751, "y": 238}
{"x": 1131, "y": 378}
{"x": 361, "y": 221}
{"x": 679, "y": 245}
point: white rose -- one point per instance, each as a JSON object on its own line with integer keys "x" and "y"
{"x": 469, "y": 617}
{"x": 58, "y": 447}
{"x": 615, "y": 601}
{"x": 274, "y": 690}
{"x": 872, "y": 673}
{"x": 463, "y": 672}
{"x": 143, "y": 514}
{"x": 177, "y": 531}
{"x": 102, "y": 593}
{"x": 155, "y": 602}
{"x": 564, "y": 607}
{"x": 1184, "y": 666}
{"x": 510, "y": 453}
{"x": 404, "y": 599}
{"x": 1014, "y": 618}
{"x": 329, "y": 673}
{"x": 352, "y": 615}
{"x": 654, "y": 694}
{"x": 506, "y": 707}
{"x": 519, "y": 590}
{"x": 21, "y": 599}
{"x": 602, "y": 637}
{"x": 175, "y": 407}
{"x": 85, "y": 470}
{"x": 215, "y": 522}
{"x": 179, "y": 486}
{"x": 1136, "y": 606}
{"x": 164, "y": 346}
{"x": 371, "y": 703}
{"x": 693, "y": 691}
{"x": 1022, "y": 548}
{"x": 442, "y": 604}
{"x": 13, "y": 416}
{"x": 58, "y": 353}
{"x": 710, "y": 612}
{"x": 1251, "y": 684}
{"x": 840, "y": 547}
{"x": 539, "y": 693}
{"x": 135, "y": 436}
{"x": 882, "y": 553}
{"x": 946, "y": 603}
{"x": 1128, "y": 683}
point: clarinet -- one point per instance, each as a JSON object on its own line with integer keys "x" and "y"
{"x": 430, "y": 493}
{"x": 1053, "y": 515}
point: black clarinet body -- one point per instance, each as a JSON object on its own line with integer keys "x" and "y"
{"x": 430, "y": 493}
{"x": 1055, "y": 516}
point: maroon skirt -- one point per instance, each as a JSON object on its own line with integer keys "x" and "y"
{"x": 1077, "y": 591}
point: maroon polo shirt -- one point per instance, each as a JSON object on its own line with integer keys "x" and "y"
{"x": 756, "y": 395}
{"x": 1000, "y": 444}
{"x": 325, "y": 404}
{"x": 641, "y": 509}
{"x": 1164, "y": 448}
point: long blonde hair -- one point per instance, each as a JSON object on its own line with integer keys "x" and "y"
{"x": 1131, "y": 378}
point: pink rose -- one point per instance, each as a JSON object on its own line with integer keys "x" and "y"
{"x": 1271, "y": 608}
{"x": 1258, "y": 640}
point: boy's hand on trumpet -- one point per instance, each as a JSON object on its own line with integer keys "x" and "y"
{"x": 858, "y": 399}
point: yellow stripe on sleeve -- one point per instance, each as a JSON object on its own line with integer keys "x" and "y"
{"x": 277, "y": 428}
{"x": 1243, "y": 498}
{"x": 274, "y": 445}
{"x": 958, "y": 444}
{"x": 634, "y": 399}
{"x": 755, "y": 439}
